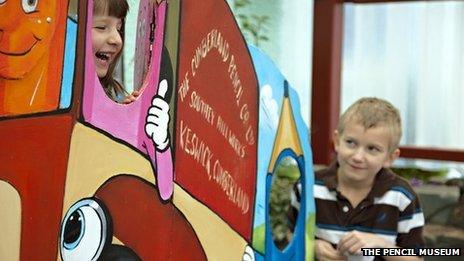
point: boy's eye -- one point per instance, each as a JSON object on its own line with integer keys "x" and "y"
{"x": 350, "y": 143}
{"x": 29, "y": 6}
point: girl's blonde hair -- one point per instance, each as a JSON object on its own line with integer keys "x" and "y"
{"x": 374, "y": 112}
{"x": 118, "y": 9}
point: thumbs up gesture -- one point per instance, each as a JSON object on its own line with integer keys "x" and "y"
{"x": 156, "y": 126}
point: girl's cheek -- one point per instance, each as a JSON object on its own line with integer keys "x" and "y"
{"x": 94, "y": 40}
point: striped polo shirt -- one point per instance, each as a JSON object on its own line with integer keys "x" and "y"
{"x": 390, "y": 210}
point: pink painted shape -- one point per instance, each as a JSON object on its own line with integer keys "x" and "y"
{"x": 142, "y": 48}
{"x": 127, "y": 122}
{"x": 165, "y": 173}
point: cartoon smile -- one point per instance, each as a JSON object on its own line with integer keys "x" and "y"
{"x": 21, "y": 52}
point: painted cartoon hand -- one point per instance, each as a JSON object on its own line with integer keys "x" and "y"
{"x": 248, "y": 254}
{"x": 156, "y": 126}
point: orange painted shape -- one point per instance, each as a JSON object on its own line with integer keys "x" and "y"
{"x": 31, "y": 55}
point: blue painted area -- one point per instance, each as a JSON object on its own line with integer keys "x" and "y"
{"x": 258, "y": 256}
{"x": 271, "y": 89}
{"x": 68, "y": 64}
{"x": 295, "y": 250}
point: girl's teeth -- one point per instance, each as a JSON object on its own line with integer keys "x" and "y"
{"x": 102, "y": 56}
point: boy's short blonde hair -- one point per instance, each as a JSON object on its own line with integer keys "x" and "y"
{"x": 374, "y": 112}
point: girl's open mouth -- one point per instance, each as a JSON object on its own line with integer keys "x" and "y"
{"x": 103, "y": 56}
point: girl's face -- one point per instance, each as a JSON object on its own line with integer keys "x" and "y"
{"x": 106, "y": 41}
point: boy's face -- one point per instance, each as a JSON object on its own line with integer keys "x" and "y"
{"x": 361, "y": 152}
{"x": 106, "y": 41}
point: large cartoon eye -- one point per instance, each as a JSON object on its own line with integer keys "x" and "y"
{"x": 85, "y": 231}
{"x": 29, "y": 6}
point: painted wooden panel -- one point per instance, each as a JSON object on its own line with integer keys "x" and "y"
{"x": 216, "y": 113}
{"x": 81, "y": 180}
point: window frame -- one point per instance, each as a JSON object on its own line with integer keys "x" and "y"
{"x": 326, "y": 85}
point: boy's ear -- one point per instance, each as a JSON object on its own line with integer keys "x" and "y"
{"x": 335, "y": 140}
{"x": 391, "y": 158}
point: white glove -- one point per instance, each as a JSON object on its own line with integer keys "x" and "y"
{"x": 248, "y": 254}
{"x": 156, "y": 126}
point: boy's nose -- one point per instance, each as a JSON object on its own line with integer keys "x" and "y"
{"x": 358, "y": 155}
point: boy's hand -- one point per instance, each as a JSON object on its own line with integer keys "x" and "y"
{"x": 325, "y": 251}
{"x": 353, "y": 241}
{"x": 156, "y": 126}
{"x": 131, "y": 97}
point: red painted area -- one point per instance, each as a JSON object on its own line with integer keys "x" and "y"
{"x": 155, "y": 231}
{"x": 216, "y": 79}
{"x": 33, "y": 155}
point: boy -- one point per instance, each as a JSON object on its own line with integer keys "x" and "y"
{"x": 360, "y": 203}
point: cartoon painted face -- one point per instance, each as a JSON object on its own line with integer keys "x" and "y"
{"x": 106, "y": 42}
{"x": 26, "y": 30}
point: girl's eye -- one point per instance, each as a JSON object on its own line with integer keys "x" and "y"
{"x": 373, "y": 149}
{"x": 100, "y": 27}
{"x": 29, "y": 6}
